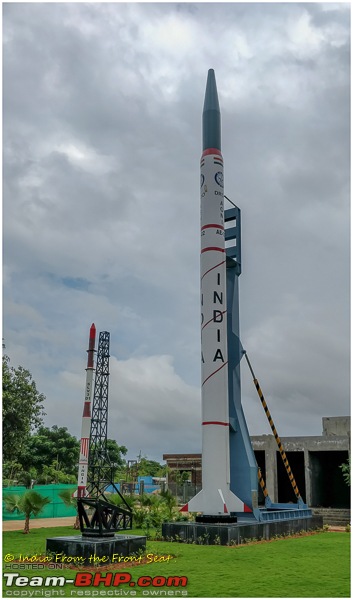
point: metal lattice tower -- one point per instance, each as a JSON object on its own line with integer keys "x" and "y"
{"x": 100, "y": 469}
{"x": 98, "y": 516}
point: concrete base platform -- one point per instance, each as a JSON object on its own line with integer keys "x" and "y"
{"x": 235, "y": 533}
{"x": 92, "y": 551}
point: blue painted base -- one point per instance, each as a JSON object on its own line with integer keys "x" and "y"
{"x": 283, "y": 513}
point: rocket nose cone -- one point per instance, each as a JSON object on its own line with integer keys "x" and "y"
{"x": 211, "y": 95}
{"x": 211, "y": 116}
{"x": 92, "y": 331}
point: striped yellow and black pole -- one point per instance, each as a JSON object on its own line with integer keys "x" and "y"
{"x": 274, "y": 430}
{"x": 262, "y": 483}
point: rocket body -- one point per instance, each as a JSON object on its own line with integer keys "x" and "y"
{"x": 215, "y": 497}
{"x": 86, "y": 417}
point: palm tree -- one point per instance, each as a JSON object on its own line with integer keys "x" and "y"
{"x": 170, "y": 502}
{"x": 30, "y": 504}
{"x": 69, "y": 500}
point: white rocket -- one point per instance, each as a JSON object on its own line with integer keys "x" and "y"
{"x": 86, "y": 417}
{"x": 215, "y": 498}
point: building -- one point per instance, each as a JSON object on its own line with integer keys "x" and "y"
{"x": 314, "y": 460}
{"x": 184, "y": 463}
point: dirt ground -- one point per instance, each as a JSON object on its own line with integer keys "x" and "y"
{"x": 36, "y": 523}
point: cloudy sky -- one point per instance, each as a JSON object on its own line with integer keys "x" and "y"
{"x": 102, "y": 140}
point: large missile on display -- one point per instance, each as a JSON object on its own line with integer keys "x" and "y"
{"x": 215, "y": 498}
{"x": 86, "y": 417}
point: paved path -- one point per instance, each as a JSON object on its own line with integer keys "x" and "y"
{"x": 36, "y": 523}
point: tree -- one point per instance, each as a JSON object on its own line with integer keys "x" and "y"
{"x": 151, "y": 467}
{"x": 22, "y": 408}
{"x": 68, "y": 498}
{"x": 118, "y": 501}
{"x": 151, "y": 510}
{"x": 53, "y": 474}
{"x": 30, "y": 504}
{"x": 146, "y": 511}
{"x": 180, "y": 477}
{"x": 10, "y": 472}
{"x": 346, "y": 471}
{"x": 116, "y": 454}
{"x": 170, "y": 504}
{"x": 26, "y": 478}
{"x": 54, "y": 453}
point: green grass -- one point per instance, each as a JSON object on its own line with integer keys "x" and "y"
{"x": 315, "y": 566}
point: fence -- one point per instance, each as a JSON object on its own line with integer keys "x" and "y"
{"x": 144, "y": 484}
{"x": 183, "y": 492}
{"x": 56, "y": 508}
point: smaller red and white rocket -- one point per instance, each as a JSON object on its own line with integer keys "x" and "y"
{"x": 86, "y": 417}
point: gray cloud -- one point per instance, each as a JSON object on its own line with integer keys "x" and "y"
{"x": 102, "y": 118}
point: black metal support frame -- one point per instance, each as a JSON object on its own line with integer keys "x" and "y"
{"x": 98, "y": 516}
{"x": 105, "y": 518}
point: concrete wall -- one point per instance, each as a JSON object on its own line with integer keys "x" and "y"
{"x": 321, "y": 480}
{"x": 340, "y": 426}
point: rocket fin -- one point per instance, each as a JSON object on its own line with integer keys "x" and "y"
{"x": 221, "y": 502}
{"x": 195, "y": 504}
{"x": 234, "y": 504}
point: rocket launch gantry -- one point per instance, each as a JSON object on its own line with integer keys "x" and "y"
{"x": 97, "y": 515}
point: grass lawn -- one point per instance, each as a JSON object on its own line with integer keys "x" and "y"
{"x": 314, "y": 566}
